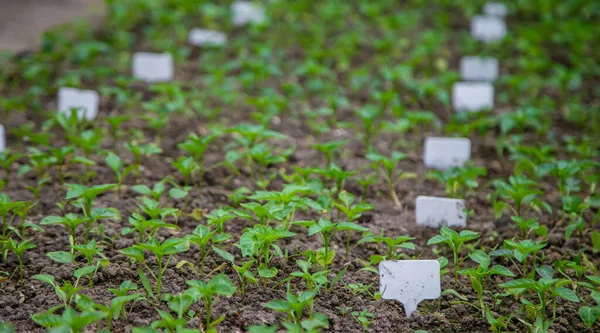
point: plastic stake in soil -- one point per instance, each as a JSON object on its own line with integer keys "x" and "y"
{"x": 84, "y": 101}
{"x": 495, "y": 9}
{"x": 204, "y": 37}
{"x": 479, "y": 68}
{"x": 246, "y": 12}
{"x": 488, "y": 28}
{"x": 153, "y": 67}
{"x": 409, "y": 282}
{"x": 472, "y": 96}
{"x": 436, "y": 212}
{"x": 2, "y": 139}
{"x": 443, "y": 153}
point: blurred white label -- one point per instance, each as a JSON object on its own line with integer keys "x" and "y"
{"x": 472, "y": 96}
{"x": 488, "y": 28}
{"x": 205, "y": 37}
{"x": 2, "y": 138}
{"x": 84, "y": 101}
{"x": 495, "y": 9}
{"x": 442, "y": 153}
{"x": 479, "y": 68}
{"x": 153, "y": 67}
{"x": 247, "y": 12}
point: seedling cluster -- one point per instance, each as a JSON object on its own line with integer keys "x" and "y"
{"x": 274, "y": 166}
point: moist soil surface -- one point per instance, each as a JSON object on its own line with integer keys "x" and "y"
{"x": 19, "y": 301}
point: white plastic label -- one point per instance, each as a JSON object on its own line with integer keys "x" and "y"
{"x": 488, "y": 28}
{"x": 495, "y": 9}
{"x": 410, "y": 282}
{"x": 443, "y": 153}
{"x": 472, "y": 96}
{"x": 205, "y": 37}
{"x": 2, "y": 139}
{"x": 84, "y": 101}
{"x": 479, "y": 68}
{"x": 436, "y": 212}
{"x": 247, "y": 12}
{"x": 153, "y": 67}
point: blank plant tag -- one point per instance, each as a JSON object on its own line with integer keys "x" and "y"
{"x": 443, "y": 153}
{"x": 84, "y": 101}
{"x": 495, "y": 9}
{"x": 435, "y": 212}
{"x": 247, "y": 12}
{"x": 2, "y": 139}
{"x": 479, "y": 68}
{"x": 488, "y": 28}
{"x": 409, "y": 281}
{"x": 472, "y": 96}
{"x": 205, "y": 37}
{"x": 153, "y": 67}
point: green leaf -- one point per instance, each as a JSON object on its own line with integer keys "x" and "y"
{"x": 224, "y": 254}
{"x": 501, "y": 270}
{"x": 83, "y": 271}
{"x": 6, "y": 327}
{"x": 278, "y": 305}
{"x": 596, "y": 241}
{"x": 44, "y": 278}
{"x": 567, "y": 294}
{"x": 51, "y": 220}
{"x": 436, "y": 240}
{"x": 267, "y": 272}
{"x": 589, "y": 315}
{"x": 61, "y": 256}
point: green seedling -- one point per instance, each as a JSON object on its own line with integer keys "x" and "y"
{"x": 459, "y": 182}
{"x": 352, "y": 212}
{"x": 480, "y": 275}
{"x": 8, "y": 207}
{"x": 294, "y": 306}
{"x": 390, "y": 173}
{"x": 325, "y": 229}
{"x": 265, "y": 213}
{"x": 329, "y": 149}
{"x": 89, "y": 251}
{"x": 158, "y": 189}
{"x": 8, "y": 158}
{"x": 545, "y": 288}
{"x": 522, "y": 192}
{"x": 208, "y": 292}
{"x": 203, "y": 237}
{"x": 69, "y": 321}
{"x": 393, "y": 246}
{"x": 364, "y": 318}
{"x": 497, "y": 324}
{"x": 166, "y": 249}
{"x": 18, "y": 248}
{"x": 369, "y": 116}
{"x": 116, "y": 122}
{"x": 336, "y": 176}
{"x": 313, "y": 280}
{"x": 257, "y": 242}
{"x": 116, "y": 164}
{"x": 69, "y": 221}
{"x": 180, "y": 305}
{"x": 455, "y": 241}
{"x": 219, "y": 217}
{"x": 522, "y": 249}
{"x": 528, "y": 225}
{"x": 83, "y": 196}
{"x": 245, "y": 274}
{"x": 67, "y": 291}
{"x": 187, "y": 167}
{"x": 290, "y": 199}
{"x": 144, "y": 228}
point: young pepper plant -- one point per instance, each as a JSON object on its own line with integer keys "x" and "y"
{"x": 455, "y": 241}
{"x": 390, "y": 173}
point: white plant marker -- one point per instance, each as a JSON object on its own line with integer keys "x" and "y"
{"x": 205, "y": 37}
{"x": 442, "y": 153}
{"x": 2, "y": 139}
{"x": 84, "y": 101}
{"x": 472, "y": 96}
{"x": 435, "y": 212}
{"x": 479, "y": 68}
{"x": 409, "y": 281}
{"x": 247, "y": 12}
{"x": 495, "y": 9}
{"x": 153, "y": 67}
{"x": 488, "y": 28}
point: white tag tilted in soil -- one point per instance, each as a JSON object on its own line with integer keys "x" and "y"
{"x": 479, "y": 68}
{"x": 247, "y": 12}
{"x": 442, "y": 153}
{"x": 205, "y": 37}
{"x": 153, "y": 67}
{"x": 488, "y": 28}
{"x": 436, "y": 212}
{"x": 495, "y": 9}
{"x": 409, "y": 281}
{"x": 2, "y": 139}
{"x": 472, "y": 96}
{"x": 84, "y": 101}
